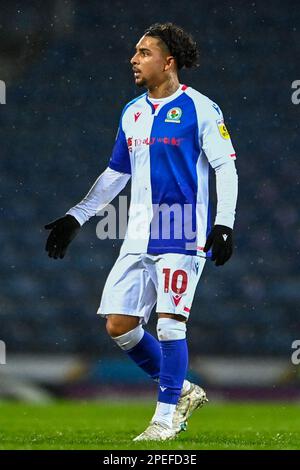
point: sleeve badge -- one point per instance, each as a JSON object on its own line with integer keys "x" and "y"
{"x": 222, "y": 129}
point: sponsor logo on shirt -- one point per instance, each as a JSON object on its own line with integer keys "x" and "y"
{"x": 152, "y": 140}
{"x": 136, "y": 116}
{"x": 174, "y": 115}
{"x": 222, "y": 129}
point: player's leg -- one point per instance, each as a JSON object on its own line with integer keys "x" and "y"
{"x": 171, "y": 332}
{"x": 137, "y": 343}
{"x": 174, "y": 388}
{"x": 127, "y": 300}
{"x": 178, "y": 276}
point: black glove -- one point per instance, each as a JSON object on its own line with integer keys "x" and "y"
{"x": 220, "y": 238}
{"x": 62, "y": 233}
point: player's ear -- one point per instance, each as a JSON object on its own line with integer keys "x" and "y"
{"x": 170, "y": 60}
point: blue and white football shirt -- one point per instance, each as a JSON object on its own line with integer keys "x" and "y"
{"x": 167, "y": 145}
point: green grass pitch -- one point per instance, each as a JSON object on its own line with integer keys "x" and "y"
{"x": 112, "y": 425}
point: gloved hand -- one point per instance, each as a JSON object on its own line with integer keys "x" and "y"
{"x": 220, "y": 239}
{"x": 62, "y": 233}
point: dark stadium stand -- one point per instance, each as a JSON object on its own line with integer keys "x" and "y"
{"x": 57, "y": 131}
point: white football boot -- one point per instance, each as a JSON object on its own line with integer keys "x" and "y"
{"x": 188, "y": 402}
{"x": 156, "y": 432}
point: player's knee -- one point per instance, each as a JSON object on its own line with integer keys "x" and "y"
{"x": 115, "y": 328}
{"x": 169, "y": 329}
{"x": 117, "y": 325}
{"x": 129, "y": 340}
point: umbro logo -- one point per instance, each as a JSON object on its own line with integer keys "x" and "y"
{"x": 136, "y": 116}
{"x": 224, "y": 235}
{"x": 163, "y": 388}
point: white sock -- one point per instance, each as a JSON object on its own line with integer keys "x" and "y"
{"x": 186, "y": 387}
{"x": 164, "y": 413}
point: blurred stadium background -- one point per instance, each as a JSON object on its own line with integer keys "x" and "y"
{"x": 65, "y": 64}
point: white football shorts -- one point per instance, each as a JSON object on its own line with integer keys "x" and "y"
{"x": 139, "y": 281}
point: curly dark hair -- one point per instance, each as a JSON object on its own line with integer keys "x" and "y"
{"x": 180, "y": 44}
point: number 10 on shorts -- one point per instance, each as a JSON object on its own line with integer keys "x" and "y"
{"x": 178, "y": 278}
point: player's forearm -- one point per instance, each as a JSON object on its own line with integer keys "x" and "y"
{"x": 107, "y": 186}
{"x": 227, "y": 191}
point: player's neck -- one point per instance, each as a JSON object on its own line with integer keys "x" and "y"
{"x": 165, "y": 89}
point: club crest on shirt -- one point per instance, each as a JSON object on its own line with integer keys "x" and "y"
{"x": 222, "y": 129}
{"x": 174, "y": 115}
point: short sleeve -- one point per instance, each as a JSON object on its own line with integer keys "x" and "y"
{"x": 120, "y": 159}
{"x": 215, "y": 138}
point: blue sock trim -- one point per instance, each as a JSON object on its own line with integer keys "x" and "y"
{"x": 147, "y": 355}
{"x": 173, "y": 369}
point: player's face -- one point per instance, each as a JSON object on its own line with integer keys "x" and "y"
{"x": 149, "y": 62}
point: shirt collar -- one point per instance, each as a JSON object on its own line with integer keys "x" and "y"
{"x": 166, "y": 99}
{"x": 162, "y": 101}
